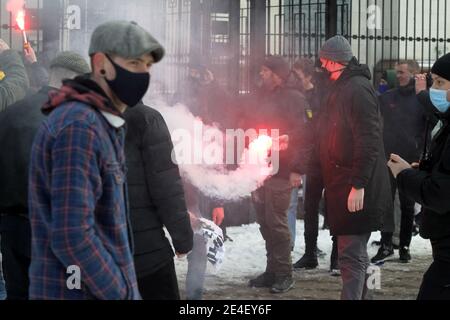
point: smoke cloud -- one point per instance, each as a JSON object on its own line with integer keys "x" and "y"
{"x": 203, "y": 149}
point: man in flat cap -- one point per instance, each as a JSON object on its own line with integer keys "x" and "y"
{"x": 352, "y": 160}
{"x": 82, "y": 245}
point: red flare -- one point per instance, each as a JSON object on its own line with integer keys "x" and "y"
{"x": 262, "y": 145}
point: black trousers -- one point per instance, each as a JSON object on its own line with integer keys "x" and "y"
{"x": 407, "y": 219}
{"x": 160, "y": 285}
{"x": 436, "y": 281}
{"x": 313, "y": 194}
{"x": 16, "y": 249}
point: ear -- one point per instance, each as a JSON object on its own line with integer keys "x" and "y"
{"x": 98, "y": 64}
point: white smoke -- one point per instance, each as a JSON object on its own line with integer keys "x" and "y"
{"x": 214, "y": 180}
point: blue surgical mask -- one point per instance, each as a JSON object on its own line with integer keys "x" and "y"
{"x": 439, "y": 100}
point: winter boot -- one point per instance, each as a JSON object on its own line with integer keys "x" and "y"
{"x": 384, "y": 253}
{"x": 405, "y": 255}
{"x": 265, "y": 280}
{"x": 282, "y": 284}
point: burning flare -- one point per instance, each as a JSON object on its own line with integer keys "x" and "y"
{"x": 17, "y": 9}
{"x": 20, "y": 19}
{"x": 262, "y": 145}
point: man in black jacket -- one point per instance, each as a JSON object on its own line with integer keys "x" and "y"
{"x": 156, "y": 201}
{"x": 18, "y": 126}
{"x": 404, "y": 134}
{"x": 429, "y": 185}
{"x": 353, "y": 162}
{"x": 276, "y": 107}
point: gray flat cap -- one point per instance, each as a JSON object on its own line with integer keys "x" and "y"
{"x": 337, "y": 49}
{"x": 125, "y": 39}
{"x": 71, "y": 61}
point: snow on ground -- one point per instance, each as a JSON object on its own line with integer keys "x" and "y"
{"x": 245, "y": 256}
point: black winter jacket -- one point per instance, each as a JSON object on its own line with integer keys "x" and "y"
{"x": 156, "y": 192}
{"x": 404, "y": 123}
{"x": 18, "y": 127}
{"x": 431, "y": 186}
{"x": 352, "y": 153}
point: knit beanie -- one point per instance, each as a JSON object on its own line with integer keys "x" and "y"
{"x": 337, "y": 49}
{"x": 442, "y": 67}
{"x": 278, "y": 65}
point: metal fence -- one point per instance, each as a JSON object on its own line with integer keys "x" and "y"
{"x": 232, "y": 36}
{"x": 384, "y": 32}
{"x": 8, "y": 26}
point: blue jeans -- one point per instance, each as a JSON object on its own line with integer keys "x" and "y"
{"x": 197, "y": 261}
{"x": 2, "y": 282}
{"x": 292, "y": 215}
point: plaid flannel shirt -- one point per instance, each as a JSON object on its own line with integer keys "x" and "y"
{"x": 78, "y": 209}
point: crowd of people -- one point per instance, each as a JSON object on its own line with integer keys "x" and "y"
{"x": 88, "y": 186}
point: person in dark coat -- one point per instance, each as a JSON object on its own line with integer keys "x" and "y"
{"x": 404, "y": 134}
{"x": 156, "y": 201}
{"x": 314, "y": 90}
{"x": 353, "y": 164}
{"x": 277, "y": 107}
{"x": 18, "y": 126}
{"x": 428, "y": 183}
{"x": 314, "y": 85}
{"x": 14, "y": 81}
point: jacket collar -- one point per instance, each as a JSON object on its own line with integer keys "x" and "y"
{"x": 115, "y": 121}
{"x": 85, "y": 90}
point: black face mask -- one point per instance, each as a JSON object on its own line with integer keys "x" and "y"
{"x": 129, "y": 87}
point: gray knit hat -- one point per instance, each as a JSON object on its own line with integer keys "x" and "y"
{"x": 125, "y": 39}
{"x": 71, "y": 61}
{"x": 337, "y": 49}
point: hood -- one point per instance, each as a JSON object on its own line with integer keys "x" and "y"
{"x": 355, "y": 69}
{"x": 81, "y": 89}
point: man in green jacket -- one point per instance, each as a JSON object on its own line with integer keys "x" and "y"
{"x": 13, "y": 77}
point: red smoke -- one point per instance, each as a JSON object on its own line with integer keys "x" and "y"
{"x": 15, "y": 6}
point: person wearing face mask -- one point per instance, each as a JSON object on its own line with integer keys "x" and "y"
{"x": 81, "y": 237}
{"x": 352, "y": 161}
{"x": 404, "y": 134}
{"x": 428, "y": 183}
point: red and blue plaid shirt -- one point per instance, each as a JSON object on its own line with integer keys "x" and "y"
{"x": 78, "y": 205}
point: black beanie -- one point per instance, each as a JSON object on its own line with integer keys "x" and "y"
{"x": 442, "y": 67}
{"x": 278, "y": 65}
